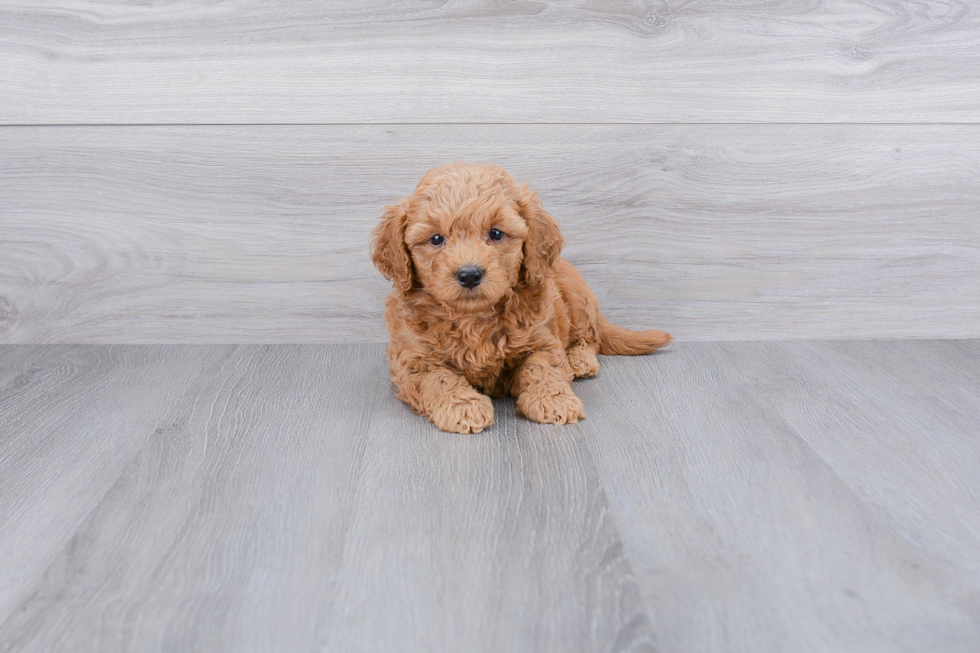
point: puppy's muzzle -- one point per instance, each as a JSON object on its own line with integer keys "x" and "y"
{"x": 469, "y": 276}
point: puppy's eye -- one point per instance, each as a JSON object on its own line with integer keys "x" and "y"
{"x": 437, "y": 240}
{"x": 496, "y": 234}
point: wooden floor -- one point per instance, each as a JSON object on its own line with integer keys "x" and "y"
{"x": 799, "y": 496}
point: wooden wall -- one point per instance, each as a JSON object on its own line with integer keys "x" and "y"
{"x": 188, "y": 172}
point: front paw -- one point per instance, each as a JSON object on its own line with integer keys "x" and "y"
{"x": 551, "y": 407}
{"x": 470, "y": 414}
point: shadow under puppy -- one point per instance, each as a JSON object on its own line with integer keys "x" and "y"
{"x": 484, "y": 305}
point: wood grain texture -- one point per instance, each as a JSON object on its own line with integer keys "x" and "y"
{"x": 259, "y": 234}
{"x": 294, "y": 504}
{"x": 71, "y": 419}
{"x": 87, "y": 61}
{"x": 797, "y": 496}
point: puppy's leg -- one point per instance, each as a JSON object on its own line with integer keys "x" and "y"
{"x": 543, "y": 389}
{"x": 582, "y": 359}
{"x": 447, "y": 399}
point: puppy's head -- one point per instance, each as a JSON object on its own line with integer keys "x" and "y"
{"x": 467, "y": 235}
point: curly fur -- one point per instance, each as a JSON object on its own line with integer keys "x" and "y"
{"x": 528, "y": 329}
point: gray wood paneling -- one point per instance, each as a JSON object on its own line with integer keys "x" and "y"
{"x": 796, "y": 496}
{"x": 291, "y": 503}
{"x": 76, "y": 61}
{"x": 259, "y": 234}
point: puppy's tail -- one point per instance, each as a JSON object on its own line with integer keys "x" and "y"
{"x": 617, "y": 341}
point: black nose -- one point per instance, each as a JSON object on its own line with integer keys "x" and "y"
{"x": 469, "y": 276}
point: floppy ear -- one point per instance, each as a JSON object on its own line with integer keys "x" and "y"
{"x": 543, "y": 242}
{"x": 388, "y": 250}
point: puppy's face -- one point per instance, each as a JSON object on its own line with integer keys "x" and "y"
{"x": 466, "y": 236}
{"x": 466, "y": 242}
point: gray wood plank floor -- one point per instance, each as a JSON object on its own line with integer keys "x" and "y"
{"x": 78, "y": 61}
{"x": 292, "y": 503}
{"x": 798, "y": 496}
{"x": 793, "y": 496}
{"x": 259, "y": 234}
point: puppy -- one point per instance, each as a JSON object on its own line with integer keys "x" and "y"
{"x": 484, "y": 305}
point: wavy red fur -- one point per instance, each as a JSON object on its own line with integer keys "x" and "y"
{"x": 529, "y": 327}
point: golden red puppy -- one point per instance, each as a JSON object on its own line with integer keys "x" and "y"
{"x": 484, "y": 305}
